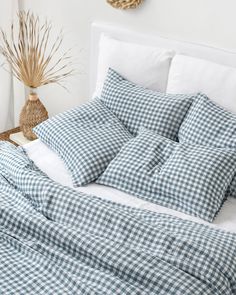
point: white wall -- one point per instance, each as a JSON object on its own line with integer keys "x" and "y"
{"x": 11, "y": 93}
{"x": 210, "y": 22}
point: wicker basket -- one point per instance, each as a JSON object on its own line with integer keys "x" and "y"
{"x": 31, "y": 115}
{"x": 125, "y": 4}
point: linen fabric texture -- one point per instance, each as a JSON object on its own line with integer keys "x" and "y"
{"x": 190, "y": 74}
{"x": 211, "y": 125}
{"x": 87, "y": 138}
{"x": 55, "y": 240}
{"x": 188, "y": 178}
{"x": 137, "y": 107}
{"x": 144, "y": 65}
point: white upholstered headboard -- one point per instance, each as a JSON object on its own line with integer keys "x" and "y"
{"x": 221, "y": 56}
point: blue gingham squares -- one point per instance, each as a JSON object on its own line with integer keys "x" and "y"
{"x": 87, "y": 138}
{"x": 206, "y": 123}
{"x": 209, "y": 124}
{"x": 55, "y": 240}
{"x": 187, "y": 178}
{"x": 12, "y": 160}
{"x": 136, "y": 106}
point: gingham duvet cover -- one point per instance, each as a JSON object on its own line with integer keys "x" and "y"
{"x": 54, "y": 240}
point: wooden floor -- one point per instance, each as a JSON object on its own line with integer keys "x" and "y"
{"x": 5, "y": 135}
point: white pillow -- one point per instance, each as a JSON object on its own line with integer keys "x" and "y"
{"x": 218, "y": 82}
{"x": 143, "y": 65}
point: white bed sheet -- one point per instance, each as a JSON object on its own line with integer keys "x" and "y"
{"x": 53, "y": 166}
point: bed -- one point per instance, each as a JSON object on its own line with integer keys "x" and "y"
{"x": 48, "y": 161}
{"x": 57, "y": 237}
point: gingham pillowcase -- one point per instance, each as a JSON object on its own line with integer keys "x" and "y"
{"x": 87, "y": 138}
{"x": 136, "y": 106}
{"x": 206, "y": 123}
{"x": 187, "y": 178}
{"x": 209, "y": 124}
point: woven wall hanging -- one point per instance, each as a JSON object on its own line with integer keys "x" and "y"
{"x": 125, "y": 4}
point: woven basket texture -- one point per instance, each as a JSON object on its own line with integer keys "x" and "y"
{"x": 33, "y": 113}
{"x": 125, "y": 4}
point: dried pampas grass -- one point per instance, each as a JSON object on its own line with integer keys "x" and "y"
{"x": 32, "y": 59}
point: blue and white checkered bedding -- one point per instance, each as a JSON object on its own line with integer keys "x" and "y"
{"x": 54, "y": 240}
{"x": 209, "y": 124}
{"x": 86, "y": 138}
{"x": 137, "y": 107}
{"x": 190, "y": 178}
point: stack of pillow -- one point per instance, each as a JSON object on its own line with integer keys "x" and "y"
{"x": 175, "y": 150}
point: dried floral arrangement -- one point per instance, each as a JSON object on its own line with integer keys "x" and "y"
{"x": 125, "y": 4}
{"x": 35, "y": 61}
{"x": 29, "y": 54}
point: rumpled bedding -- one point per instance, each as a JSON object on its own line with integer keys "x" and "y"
{"x": 55, "y": 240}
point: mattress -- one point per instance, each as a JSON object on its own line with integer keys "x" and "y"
{"x": 49, "y": 162}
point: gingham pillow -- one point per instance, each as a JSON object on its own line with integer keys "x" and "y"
{"x": 187, "y": 178}
{"x": 136, "y": 106}
{"x": 209, "y": 124}
{"x": 87, "y": 138}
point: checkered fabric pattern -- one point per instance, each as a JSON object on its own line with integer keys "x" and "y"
{"x": 209, "y": 124}
{"x": 87, "y": 138}
{"x": 136, "y": 106}
{"x": 187, "y": 178}
{"x": 66, "y": 242}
